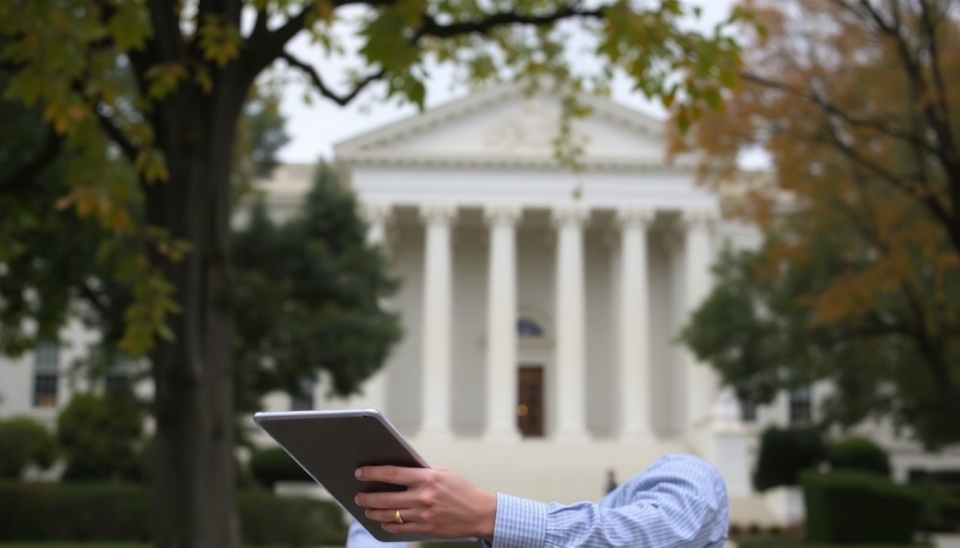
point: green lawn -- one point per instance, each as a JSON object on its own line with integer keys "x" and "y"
{"x": 54, "y": 544}
{"x": 67, "y": 544}
{"x": 790, "y": 542}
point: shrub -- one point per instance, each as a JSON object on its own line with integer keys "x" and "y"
{"x": 859, "y": 454}
{"x": 784, "y": 453}
{"x": 24, "y": 441}
{"x": 292, "y": 521}
{"x": 105, "y": 512}
{"x": 122, "y": 513}
{"x": 941, "y": 507}
{"x": 851, "y": 506}
{"x": 273, "y": 465}
{"x": 99, "y": 435}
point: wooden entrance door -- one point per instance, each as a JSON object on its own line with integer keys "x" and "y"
{"x": 530, "y": 404}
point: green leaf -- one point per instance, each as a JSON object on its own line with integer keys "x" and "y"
{"x": 164, "y": 79}
{"x": 130, "y": 26}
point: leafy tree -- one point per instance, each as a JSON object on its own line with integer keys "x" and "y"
{"x": 24, "y": 441}
{"x": 858, "y": 282}
{"x": 191, "y": 66}
{"x": 100, "y": 435}
{"x": 760, "y": 329}
{"x": 308, "y": 292}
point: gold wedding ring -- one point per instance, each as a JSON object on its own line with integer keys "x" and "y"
{"x": 397, "y": 515}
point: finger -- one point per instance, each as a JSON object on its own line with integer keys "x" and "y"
{"x": 402, "y": 499}
{"x": 390, "y": 516}
{"x": 395, "y": 475}
{"x": 406, "y": 528}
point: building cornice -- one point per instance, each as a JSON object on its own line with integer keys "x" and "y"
{"x": 370, "y": 149}
{"x": 381, "y": 160}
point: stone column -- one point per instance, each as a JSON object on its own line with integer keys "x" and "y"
{"x": 501, "y": 325}
{"x": 634, "y": 326}
{"x": 376, "y": 215}
{"x": 698, "y": 258}
{"x": 437, "y": 320}
{"x": 570, "y": 350}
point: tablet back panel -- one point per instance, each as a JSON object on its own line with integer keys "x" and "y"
{"x": 331, "y": 445}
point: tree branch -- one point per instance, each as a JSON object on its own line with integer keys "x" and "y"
{"x": 929, "y": 21}
{"x": 483, "y": 26}
{"x": 317, "y": 82}
{"x": 92, "y": 297}
{"x": 116, "y": 135}
{"x": 929, "y": 201}
{"x": 166, "y": 30}
{"x": 260, "y": 24}
{"x": 829, "y": 108}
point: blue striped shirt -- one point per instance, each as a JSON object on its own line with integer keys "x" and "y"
{"x": 678, "y": 502}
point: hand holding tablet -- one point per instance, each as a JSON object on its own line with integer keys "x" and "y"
{"x": 333, "y": 446}
{"x": 438, "y": 502}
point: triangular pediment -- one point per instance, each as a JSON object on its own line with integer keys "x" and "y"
{"x": 505, "y": 125}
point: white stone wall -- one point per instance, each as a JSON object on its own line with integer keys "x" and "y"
{"x": 16, "y": 376}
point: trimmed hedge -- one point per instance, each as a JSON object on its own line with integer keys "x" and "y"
{"x": 942, "y": 477}
{"x": 122, "y": 512}
{"x": 784, "y": 453}
{"x": 290, "y": 521}
{"x": 850, "y": 507}
{"x": 858, "y": 453}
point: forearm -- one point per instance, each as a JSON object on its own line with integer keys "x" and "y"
{"x": 588, "y": 525}
{"x": 679, "y": 503}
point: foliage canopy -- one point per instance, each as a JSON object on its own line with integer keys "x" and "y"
{"x": 858, "y": 280}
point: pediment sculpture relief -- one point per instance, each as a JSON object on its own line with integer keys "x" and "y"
{"x": 533, "y": 127}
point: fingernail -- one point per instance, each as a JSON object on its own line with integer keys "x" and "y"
{"x": 356, "y": 500}
{"x": 359, "y": 473}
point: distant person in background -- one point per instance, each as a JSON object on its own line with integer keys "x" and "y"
{"x": 611, "y": 480}
{"x": 678, "y": 502}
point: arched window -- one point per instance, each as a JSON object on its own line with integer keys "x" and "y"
{"x": 528, "y": 327}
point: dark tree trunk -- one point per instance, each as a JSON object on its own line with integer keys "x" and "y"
{"x": 194, "y": 489}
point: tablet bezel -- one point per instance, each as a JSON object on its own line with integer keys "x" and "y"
{"x": 315, "y": 470}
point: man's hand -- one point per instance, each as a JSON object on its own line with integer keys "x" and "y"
{"x": 438, "y": 502}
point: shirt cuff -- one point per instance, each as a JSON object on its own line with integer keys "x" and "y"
{"x": 520, "y": 523}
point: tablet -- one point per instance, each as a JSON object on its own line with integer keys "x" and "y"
{"x": 331, "y": 445}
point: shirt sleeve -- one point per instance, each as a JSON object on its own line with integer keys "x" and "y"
{"x": 679, "y": 502}
{"x": 359, "y": 537}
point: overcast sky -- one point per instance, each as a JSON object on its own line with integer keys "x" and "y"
{"x": 315, "y": 127}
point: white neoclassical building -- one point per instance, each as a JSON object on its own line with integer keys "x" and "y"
{"x": 540, "y": 305}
